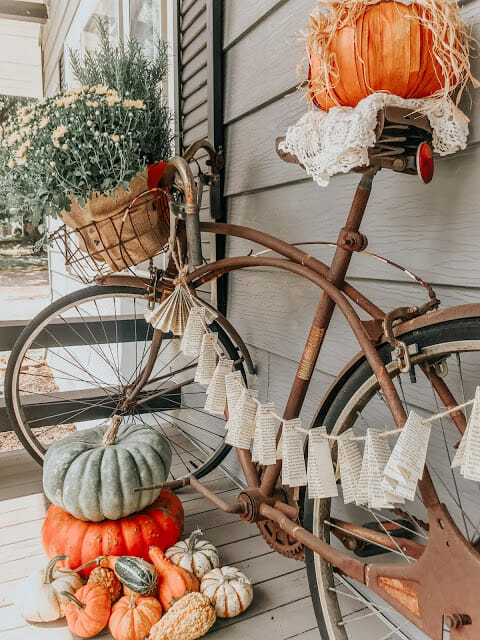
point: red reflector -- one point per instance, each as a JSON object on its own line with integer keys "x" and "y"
{"x": 425, "y": 162}
{"x": 155, "y": 172}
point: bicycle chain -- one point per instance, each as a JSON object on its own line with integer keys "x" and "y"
{"x": 415, "y": 521}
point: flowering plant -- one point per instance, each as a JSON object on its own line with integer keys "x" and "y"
{"x": 93, "y": 139}
{"x": 71, "y": 145}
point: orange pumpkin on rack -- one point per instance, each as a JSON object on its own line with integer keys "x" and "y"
{"x": 360, "y": 48}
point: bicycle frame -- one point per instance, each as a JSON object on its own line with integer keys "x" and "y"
{"x": 417, "y": 590}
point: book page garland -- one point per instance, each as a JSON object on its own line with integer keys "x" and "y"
{"x": 380, "y": 479}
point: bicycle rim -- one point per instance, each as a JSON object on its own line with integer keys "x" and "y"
{"x": 347, "y": 610}
{"x": 112, "y": 343}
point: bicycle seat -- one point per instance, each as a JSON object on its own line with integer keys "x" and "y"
{"x": 403, "y": 144}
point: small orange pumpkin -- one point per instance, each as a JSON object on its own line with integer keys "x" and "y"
{"x": 87, "y": 611}
{"x": 106, "y": 578}
{"x": 133, "y": 616}
{"x": 174, "y": 582}
{"x": 388, "y": 48}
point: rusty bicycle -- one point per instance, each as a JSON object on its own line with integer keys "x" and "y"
{"x": 408, "y": 573}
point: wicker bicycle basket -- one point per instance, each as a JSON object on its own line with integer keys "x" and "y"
{"x": 117, "y": 233}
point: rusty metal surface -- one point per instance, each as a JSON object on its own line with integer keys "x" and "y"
{"x": 345, "y": 531}
{"x": 443, "y": 583}
{"x": 323, "y": 315}
{"x": 446, "y": 397}
{"x": 443, "y": 315}
{"x": 280, "y": 541}
{"x": 285, "y": 249}
{"x": 335, "y": 296}
{"x": 349, "y": 566}
{"x": 235, "y": 507}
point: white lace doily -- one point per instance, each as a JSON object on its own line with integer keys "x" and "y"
{"x": 338, "y": 141}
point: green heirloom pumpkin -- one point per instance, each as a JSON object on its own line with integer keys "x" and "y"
{"x": 93, "y": 474}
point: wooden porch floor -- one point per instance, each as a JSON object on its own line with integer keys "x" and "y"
{"x": 281, "y": 608}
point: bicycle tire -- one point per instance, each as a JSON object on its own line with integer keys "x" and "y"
{"x": 85, "y": 295}
{"x": 462, "y": 331}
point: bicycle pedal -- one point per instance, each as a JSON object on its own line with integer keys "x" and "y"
{"x": 398, "y": 529}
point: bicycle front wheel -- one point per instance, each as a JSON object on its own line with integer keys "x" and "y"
{"x": 345, "y": 609}
{"x": 74, "y": 364}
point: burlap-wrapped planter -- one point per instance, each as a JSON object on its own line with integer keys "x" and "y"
{"x": 118, "y": 231}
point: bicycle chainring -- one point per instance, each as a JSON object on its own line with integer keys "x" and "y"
{"x": 280, "y": 541}
{"x": 276, "y": 538}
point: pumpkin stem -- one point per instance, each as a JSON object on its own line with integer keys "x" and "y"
{"x": 71, "y": 598}
{"x": 111, "y": 432}
{"x": 133, "y": 600}
{"x": 89, "y": 563}
{"x": 192, "y": 540}
{"x": 48, "y": 579}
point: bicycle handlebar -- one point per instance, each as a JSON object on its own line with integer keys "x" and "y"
{"x": 189, "y": 211}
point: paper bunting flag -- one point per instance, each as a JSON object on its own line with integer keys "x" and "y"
{"x": 264, "y": 439}
{"x": 405, "y": 466}
{"x": 256, "y": 446}
{"x": 171, "y": 315}
{"x": 207, "y": 361}
{"x": 375, "y": 458}
{"x": 217, "y": 391}
{"x": 294, "y": 473}
{"x": 240, "y": 433}
{"x": 279, "y": 452}
{"x": 468, "y": 453}
{"x": 194, "y": 332}
{"x": 320, "y": 472}
{"x": 350, "y": 464}
{"x": 234, "y": 385}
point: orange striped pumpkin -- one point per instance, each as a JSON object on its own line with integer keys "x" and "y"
{"x": 388, "y": 49}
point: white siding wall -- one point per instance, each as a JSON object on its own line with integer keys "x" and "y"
{"x": 434, "y": 230}
{"x": 20, "y": 59}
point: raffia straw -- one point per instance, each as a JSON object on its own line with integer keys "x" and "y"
{"x": 450, "y": 36}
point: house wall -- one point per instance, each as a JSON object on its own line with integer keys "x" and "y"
{"x": 61, "y": 15}
{"x": 20, "y": 59}
{"x": 434, "y": 229}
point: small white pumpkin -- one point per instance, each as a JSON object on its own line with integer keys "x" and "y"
{"x": 229, "y": 590}
{"x": 38, "y": 595}
{"x": 194, "y": 554}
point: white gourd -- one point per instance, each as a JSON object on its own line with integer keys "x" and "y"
{"x": 194, "y": 554}
{"x": 229, "y": 590}
{"x": 38, "y": 595}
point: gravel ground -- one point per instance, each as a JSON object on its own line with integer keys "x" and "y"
{"x": 24, "y": 291}
{"x": 42, "y": 381}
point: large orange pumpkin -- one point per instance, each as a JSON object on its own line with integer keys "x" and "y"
{"x": 387, "y": 49}
{"x": 161, "y": 525}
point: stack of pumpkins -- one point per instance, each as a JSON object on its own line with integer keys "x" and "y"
{"x": 100, "y": 530}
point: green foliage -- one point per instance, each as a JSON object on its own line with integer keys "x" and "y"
{"x": 10, "y": 104}
{"x": 94, "y": 138}
{"x": 125, "y": 67}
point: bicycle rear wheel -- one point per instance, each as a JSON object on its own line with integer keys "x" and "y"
{"x": 75, "y": 361}
{"x": 347, "y": 610}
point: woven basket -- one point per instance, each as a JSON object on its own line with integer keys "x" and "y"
{"x": 124, "y": 230}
